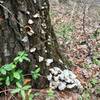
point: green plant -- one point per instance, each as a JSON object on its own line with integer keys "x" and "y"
{"x": 87, "y": 66}
{"x": 86, "y": 95}
{"x": 65, "y": 31}
{"x": 50, "y": 93}
{"x": 10, "y": 73}
{"x": 96, "y": 55}
{"x": 52, "y": 14}
{"x": 80, "y": 98}
{"x": 21, "y": 90}
{"x": 36, "y": 73}
{"x": 96, "y": 61}
{"x": 21, "y": 56}
{"x": 35, "y": 95}
{"x": 96, "y": 33}
{"x": 98, "y": 90}
{"x": 94, "y": 81}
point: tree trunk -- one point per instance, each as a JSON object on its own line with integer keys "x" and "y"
{"x": 25, "y": 25}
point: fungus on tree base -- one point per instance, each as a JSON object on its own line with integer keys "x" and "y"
{"x": 63, "y": 79}
{"x": 48, "y": 62}
{"x": 41, "y": 58}
{"x": 32, "y": 49}
{"x": 30, "y": 21}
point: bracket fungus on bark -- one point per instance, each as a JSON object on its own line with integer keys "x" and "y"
{"x": 30, "y": 21}
{"x": 62, "y": 79}
{"x": 48, "y": 62}
{"x": 25, "y": 39}
{"x": 36, "y": 15}
{"x": 32, "y": 49}
{"x": 41, "y": 58}
{"x": 27, "y": 12}
{"x": 29, "y": 30}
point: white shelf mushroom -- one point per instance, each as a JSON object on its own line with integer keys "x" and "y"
{"x": 68, "y": 80}
{"x": 52, "y": 71}
{"x": 62, "y": 86}
{"x": 62, "y": 79}
{"x": 32, "y": 49}
{"x": 41, "y": 58}
{"x": 70, "y": 86}
{"x": 72, "y": 75}
{"x": 30, "y": 21}
{"x": 48, "y": 62}
{"x": 58, "y": 70}
{"x": 56, "y": 78}
{"x": 25, "y": 39}
{"x": 66, "y": 73}
{"x": 49, "y": 77}
{"x": 61, "y": 76}
{"x": 36, "y": 15}
{"x": 54, "y": 85}
{"x": 77, "y": 82}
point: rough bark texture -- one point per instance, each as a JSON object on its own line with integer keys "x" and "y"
{"x": 26, "y": 25}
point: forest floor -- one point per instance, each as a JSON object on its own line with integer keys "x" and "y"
{"x": 78, "y": 35}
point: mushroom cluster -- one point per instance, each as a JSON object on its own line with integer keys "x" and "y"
{"x": 62, "y": 79}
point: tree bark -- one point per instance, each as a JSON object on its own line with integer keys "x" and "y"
{"x": 26, "y": 25}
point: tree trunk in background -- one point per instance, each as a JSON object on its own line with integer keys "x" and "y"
{"x": 25, "y": 25}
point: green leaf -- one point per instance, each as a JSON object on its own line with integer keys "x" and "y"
{"x": 21, "y": 53}
{"x": 1, "y": 83}
{"x": 7, "y": 81}
{"x": 3, "y": 71}
{"x": 26, "y": 58}
{"x": 86, "y": 95}
{"x": 36, "y": 94}
{"x": 23, "y": 94}
{"x": 14, "y": 91}
{"x": 80, "y": 98}
{"x": 35, "y": 75}
{"x": 31, "y": 97}
{"x": 19, "y": 71}
{"x": 95, "y": 61}
{"x": 20, "y": 60}
{"x": 1, "y": 78}
{"x": 50, "y": 92}
{"x": 94, "y": 81}
{"x": 98, "y": 90}
{"x": 16, "y": 75}
{"x": 26, "y": 87}
{"x": 18, "y": 85}
{"x": 16, "y": 59}
{"x": 37, "y": 70}
{"x": 9, "y": 67}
